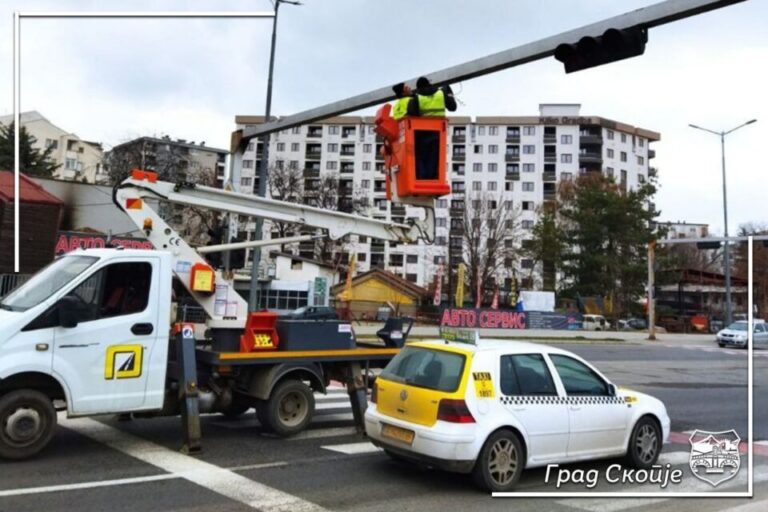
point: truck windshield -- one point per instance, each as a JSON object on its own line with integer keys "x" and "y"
{"x": 47, "y": 282}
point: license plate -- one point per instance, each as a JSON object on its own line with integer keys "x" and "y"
{"x": 397, "y": 433}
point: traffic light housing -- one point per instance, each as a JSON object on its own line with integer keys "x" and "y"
{"x": 613, "y": 45}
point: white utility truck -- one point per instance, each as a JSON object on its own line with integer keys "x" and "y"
{"x": 93, "y": 333}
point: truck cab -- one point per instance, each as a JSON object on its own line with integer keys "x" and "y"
{"x": 91, "y": 329}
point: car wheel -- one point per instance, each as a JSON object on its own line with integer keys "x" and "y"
{"x": 27, "y": 423}
{"x": 289, "y": 408}
{"x": 644, "y": 444}
{"x": 500, "y": 462}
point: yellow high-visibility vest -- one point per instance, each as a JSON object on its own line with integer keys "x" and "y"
{"x": 432, "y": 106}
{"x": 400, "y": 108}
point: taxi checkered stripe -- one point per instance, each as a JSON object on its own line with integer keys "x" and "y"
{"x": 552, "y": 399}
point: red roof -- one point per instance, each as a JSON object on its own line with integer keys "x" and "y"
{"x": 30, "y": 191}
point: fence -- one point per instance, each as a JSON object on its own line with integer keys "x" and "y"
{"x": 8, "y": 282}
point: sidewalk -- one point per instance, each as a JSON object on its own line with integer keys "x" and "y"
{"x": 368, "y": 330}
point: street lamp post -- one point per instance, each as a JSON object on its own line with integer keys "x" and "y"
{"x": 727, "y": 251}
{"x": 262, "y": 191}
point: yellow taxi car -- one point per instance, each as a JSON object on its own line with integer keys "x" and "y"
{"x": 495, "y": 408}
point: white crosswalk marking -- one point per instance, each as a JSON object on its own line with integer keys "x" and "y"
{"x": 353, "y": 448}
{"x": 674, "y": 458}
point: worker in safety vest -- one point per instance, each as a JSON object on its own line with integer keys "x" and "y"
{"x": 429, "y": 101}
{"x": 404, "y": 95}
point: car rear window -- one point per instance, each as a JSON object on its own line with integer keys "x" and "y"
{"x": 426, "y": 368}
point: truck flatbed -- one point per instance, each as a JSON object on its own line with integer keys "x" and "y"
{"x": 277, "y": 356}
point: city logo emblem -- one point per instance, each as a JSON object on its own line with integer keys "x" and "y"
{"x": 714, "y": 455}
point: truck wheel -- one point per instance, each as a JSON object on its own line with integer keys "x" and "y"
{"x": 289, "y": 408}
{"x": 27, "y": 423}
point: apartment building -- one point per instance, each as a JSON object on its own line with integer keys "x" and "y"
{"x": 78, "y": 159}
{"x": 516, "y": 161}
{"x": 682, "y": 229}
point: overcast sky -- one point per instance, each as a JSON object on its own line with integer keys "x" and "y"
{"x": 111, "y": 80}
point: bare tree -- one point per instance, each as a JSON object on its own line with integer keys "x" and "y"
{"x": 169, "y": 160}
{"x": 490, "y": 238}
{"x": 285, "y": 184}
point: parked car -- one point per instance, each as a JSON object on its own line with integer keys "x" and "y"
{"x": 631, "y": 324}
{"x": 497, "y": 407}
{"x": 735, "y": 335}
{"x": 314, "y": 313}
{"x": 595, "y": 323}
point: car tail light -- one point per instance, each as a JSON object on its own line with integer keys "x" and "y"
{"x": 454, "y": 411}
{"x": 374, "y": 393}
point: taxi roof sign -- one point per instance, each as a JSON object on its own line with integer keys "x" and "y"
{"x": 469, "y": 336}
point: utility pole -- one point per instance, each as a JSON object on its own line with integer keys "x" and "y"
{"x": 651, "y": 307}
{"x": 262, "y": 191}
{"x": 726, "y": 244}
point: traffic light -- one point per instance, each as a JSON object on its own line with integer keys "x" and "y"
{"x": 708, "y": 245}
{"x": 613, "y": 45}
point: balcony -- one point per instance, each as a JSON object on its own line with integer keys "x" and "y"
{"x": 456, "y": 212}
{"x": 550, "y": 176}
{"x": 550, "y": 157}
{"x": 590, "y": 138}
{"x": 590, "y": 157}
{"x": 311, "y": 173}
{"x": 458, "y": 157}
{"x": 459, "y": 137}
{"x": 347, "y": 167}
{"x": 377, "y": 247}
{"x": 313, "y": 152}
{"x": 550, "y": 138}
{"x": 513, "y": 175}
{"x": 550, "y": 195}
{"x": 512, "y": 157}
{"x": 315, "y": 132}
{"x": 651, "y": 153}
{"x": 652, "y": 171}
{"x": 513, "y": 138}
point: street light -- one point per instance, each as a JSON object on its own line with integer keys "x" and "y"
{"x": 727, "y": 254}
{"x": 262, "y": 192}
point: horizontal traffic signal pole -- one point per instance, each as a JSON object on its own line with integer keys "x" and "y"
{"x": 643, "y": 18}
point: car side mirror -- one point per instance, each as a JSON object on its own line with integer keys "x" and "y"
{"x": 68, "y": 312}
{"x": 611, "y": 390}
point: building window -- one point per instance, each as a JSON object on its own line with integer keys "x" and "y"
{"x": 641, "y": 142}
{"x": 280, "y": 146}
{"x": 623, "y": 137}
{"x": 441, "y": 240}
{"x": 493, "y": 149}
{"x": 641, "y": 178}
{"x": 609, "y": 172}
{"x": 294, "y": 146}
{"x": 529, "y": 130}
{"x": 492, "y": 186}
{"x": 509, "y": 186}
{"x": 333, "y": 147}
{"x": 367, "y": 148}
{"x": 640, "y": 160}
{"x": 609, "y": 152}
{"x": 246, "y": 182}
{"x": 529, "y": 167}
{"x": 527, "y": 186}
{"x": 248, "y": 148}
{"x": 477, "y": 167}
{"x": 442, "y": 203}
{"x": 478, "y": 149}
{"x": 493, "y": 167}
{"x": 441, "y": 222}
{"x": 477, "y": 185}
{"x": 247, "y": 164}
{"x": 70, "y": 164}
{"x": 566, "y": 158}
{"x": 411, "y": 277}
{"x": 279, "y": 164}
{"x": 529, "y": 149}
{"x": 566, "y": 176}
{"x": 566, "y": 139}
{"x": 294, "y": 164}
{"x": 493, "y": 130}
{"x": 527, "y": 224}
{"x": 412, "y": 258}
{"x": 396, "y": 260}
{"x": 623, "y": 178}
{"x": 333, "y": 130}
{"x": 365, "y": 184}
{"x": 528, "y": 205}
{"x": 481, "y": 130}
{"x": 623, "y": 156}
{"x": 331, "y": 166}
{"x": 609, "y": 133}
{"x": 366, "y": 166}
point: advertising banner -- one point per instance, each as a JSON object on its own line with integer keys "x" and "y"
{"x": 67, "y": 241}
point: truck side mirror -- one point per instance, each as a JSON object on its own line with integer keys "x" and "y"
{"x": 68, "y": 312}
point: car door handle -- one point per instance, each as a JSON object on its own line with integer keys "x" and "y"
{"x": 142, "y": 329}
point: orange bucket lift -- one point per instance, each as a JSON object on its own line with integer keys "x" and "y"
{"x": 412, "y": 180}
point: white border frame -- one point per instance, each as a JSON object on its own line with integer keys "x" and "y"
{"x": 17, "y": 17}
{"x": 749, "y": 493}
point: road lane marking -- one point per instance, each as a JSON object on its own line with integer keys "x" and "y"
{"x": 219, "y": 480}
{"x": 674, "y": 458}
{"x": 352, "y": 448}
{"x": 321, "y": 433}
{"x": 87, "y": 485}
